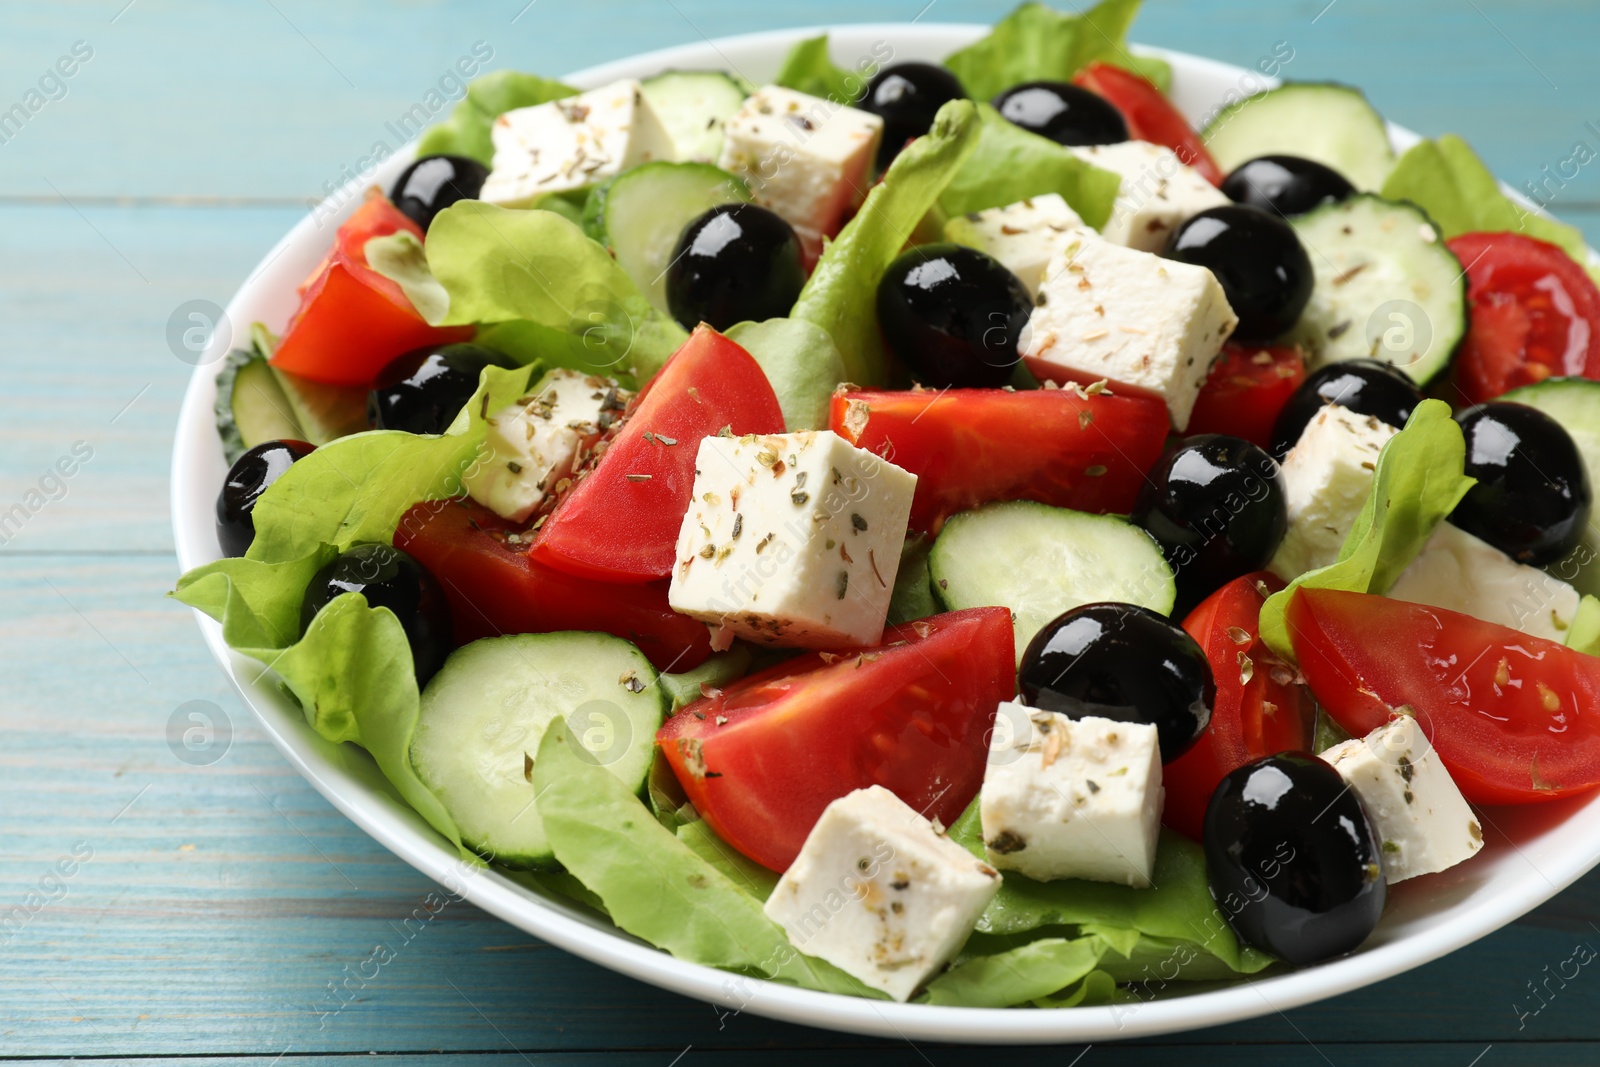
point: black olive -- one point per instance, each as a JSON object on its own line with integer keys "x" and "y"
{"x": 736, "y": 262}
{"x": 1215, "y": 505}
{"x": 1364, "y": 386}
{"x": 433, "y": 183}
{"x": 1259, "y": 261}
{"x": 906, "y": 96}
{"x": 1287, "y": 185}
{"x": 952, "y": 315}
{"x": 1291, "y": 859}
{"x": 1121, "y": 662}
{"x": 1533, "y": 497}
{"x": 388, "y": 578}
{"x": 247, "y": 479}
{"x": 423, "y": 390}
{"x": 1065, "y": 113}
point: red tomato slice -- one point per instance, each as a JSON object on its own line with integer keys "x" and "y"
{"x": 1150, "y": 115}
{"x": 619, "y": 523}
{"x": 971, "y": 446}
{"x": 1247, "y": 388}
{"x": 352, "y": 320}
{"x": 1534, "y": 313}
{"x": 762, "y": 758}
{"x": 1515, "y": 719}
{"x": 494, "y": 588}
{"x": 1260, "y": 710}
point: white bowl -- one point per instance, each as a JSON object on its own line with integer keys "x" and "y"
{"x": 1532, "y": 853}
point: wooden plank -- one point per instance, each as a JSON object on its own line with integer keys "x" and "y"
{"x": 220, "y": 901}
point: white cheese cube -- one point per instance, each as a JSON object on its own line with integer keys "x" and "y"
{"x": 1421, "y": 820}
{"x": 573, "y": 143}
{"x": 805, "y": 158}
{"x": 1105, "y": 311}
{"x": 1325, "y": 479}
{"x": 1022, "y": 236}
{"x": 1458, "y": 572}
{"x": 792, "y": 539}
{"x": 1158, "y": 192}
{"x": 533, "y": 444}
{"x": 1072, "y": 798}
{"x": 880, "y": 894}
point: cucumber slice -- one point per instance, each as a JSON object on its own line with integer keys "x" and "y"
{"x": 1387, "y": 287}
{"x": 1575, "y": 404}
{"x": 1330, "y": 123}
{"x": 694, "y": 105}
{"x": 485, "y": 712}
{"x": 640, "y": 214}
{"x": 1040, "y": 561}
{"x": 251, "y": 407}
{"x": 325, "y": 412}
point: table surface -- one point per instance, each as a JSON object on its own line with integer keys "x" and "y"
{"x": 214, "y": 907}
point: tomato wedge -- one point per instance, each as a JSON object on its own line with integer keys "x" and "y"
{"x": 762, "y": 758}
{"x": 1261, "y": 709}
{"x": 352, "y": 320}
{"x": 972, "y": 446}
{"x": 1150, "y": 115}
{"x": 1246, "y": 389}
{"x": 619, "y": 523}
{"x": 494, "y": 588}
{"x": 1534, "y": 313}
{"x": 1515, "y": 719}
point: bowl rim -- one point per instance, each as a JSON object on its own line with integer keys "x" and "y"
{"x": 383, "y": 816}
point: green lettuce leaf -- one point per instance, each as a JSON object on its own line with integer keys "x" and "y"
{"x": 1037, "y": 43}
{"x": 1448, "y": 181}
{"x": 1178, "y": 907}
{"x": 1020, "y": 975}
{"x": 528, "y": 343}
{"x": 913, "y": 597}
{"x": 500, "y": 265}
{"x": 1011, "y": 164}
{"x": 1419, "y": 481}
{"x": 841, "y": 295}
{"x": 1584, "y": 634}
{"x": 399, "y": 257}
{"x": 654, "y": 885}
{"x": 466, "y": 131}
{"x": 802, "y": 364}
{"x": 807, "y": 69}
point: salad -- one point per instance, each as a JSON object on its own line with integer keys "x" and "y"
{"x": 949, "y": 532}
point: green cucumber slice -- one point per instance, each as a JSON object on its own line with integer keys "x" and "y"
{"x": 250, "y": 406}
{"x": 1040, "y": 561}
{"x": 694, "y": 105}
{"x": 1387, "y": 287}
{"x": 1330, "y": 123}
{"x": 485, "y": 712}
{"x": 325, "y": 412}
{"x": 640, "y": 214}
{"x": 1575, "y": 404}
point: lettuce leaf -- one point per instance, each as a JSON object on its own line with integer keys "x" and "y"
{"x": 500, "y": 265}
{"x": 801, "y": 363}
{"x": 399, "y": 257}
{"x": 1419, "y": 481}
{"x": 807, "y": 69}
{"x": 1036, "y": 43}
{"x": 1584, "y": 634}
{"x": 841, "y": 295}
{"x": 1011, "y": 164}
{"x": 654, "y": 885}
{"x": 1019, "y": 975}
{"x": 466, "y": 131}
{"x": 528, "y": 342}
{"x": 1448, "y": 181}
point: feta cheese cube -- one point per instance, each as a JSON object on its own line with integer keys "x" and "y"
{"x": 1072, "y": 798}
{"x": 1158, "y": 192}
{"x": 805, "y": 158}
{"x": 1022, "y": 236}
{"x": 792, "y": 539}
{"x": 1325, "y": 479}
{"x": 573, "y": 143}
{"x": 1458, "y": 572}
{"x": 1105, "y": 311}
{"x": 533, "y": 444}
{"x": 1421, "y": 820}
{"x": 880, "y": 894}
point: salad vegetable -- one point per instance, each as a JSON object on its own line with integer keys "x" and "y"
{"x": 890, "y": 531}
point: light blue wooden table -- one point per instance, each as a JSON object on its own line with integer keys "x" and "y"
{"x": 209, "y": 908}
